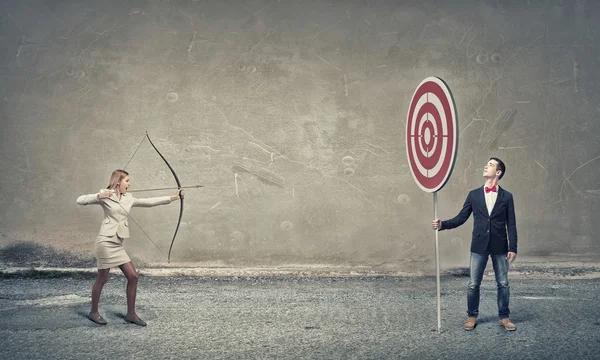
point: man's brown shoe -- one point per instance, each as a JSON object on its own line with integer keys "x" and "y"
{"x": 507, "y": 324}
{"x": 470, "y": 323}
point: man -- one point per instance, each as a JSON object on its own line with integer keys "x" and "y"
{"x": 493, "y": 213}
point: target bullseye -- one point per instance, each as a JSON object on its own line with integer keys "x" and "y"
{"x": 427, "y": 135}
{"x": 431, "y": 134}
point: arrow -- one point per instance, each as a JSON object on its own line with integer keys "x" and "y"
{"x": 169, "y": 188}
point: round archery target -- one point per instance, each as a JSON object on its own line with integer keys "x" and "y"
{"x": 431, "y": 134}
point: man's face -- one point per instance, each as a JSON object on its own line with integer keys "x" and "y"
{"x": 490, "y": 170}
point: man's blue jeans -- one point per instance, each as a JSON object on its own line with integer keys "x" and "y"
{"x": 476, "y": 269}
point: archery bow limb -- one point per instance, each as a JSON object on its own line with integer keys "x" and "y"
{"x": 180, "y": 196}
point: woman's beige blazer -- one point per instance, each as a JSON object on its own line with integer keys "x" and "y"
{"x": 116, "y": 211}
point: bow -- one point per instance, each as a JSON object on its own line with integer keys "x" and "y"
{"x": 180, "y": 196}
{"x": 178, "y": 187}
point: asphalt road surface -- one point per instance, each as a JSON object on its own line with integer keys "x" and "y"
{"x": 296, "y": 318}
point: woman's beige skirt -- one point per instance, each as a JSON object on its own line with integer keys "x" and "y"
{"x": 110, "y": 252}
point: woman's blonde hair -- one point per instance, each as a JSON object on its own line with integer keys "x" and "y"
{"x": 116, "y": 178}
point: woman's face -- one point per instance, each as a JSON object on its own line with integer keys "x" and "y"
{"x": 124, "y": 185}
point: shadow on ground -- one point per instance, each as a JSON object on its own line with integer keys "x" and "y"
{"x": 31, "y": 254}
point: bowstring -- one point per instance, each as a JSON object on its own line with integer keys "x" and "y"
{"x": 126, "y": 212}
{"x": 136, "y": 150}
{"x": 138, "y": 225}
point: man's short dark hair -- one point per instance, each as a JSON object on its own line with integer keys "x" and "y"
{"x": 500, "y": 166}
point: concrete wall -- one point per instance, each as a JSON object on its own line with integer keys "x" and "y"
{"x": 292, "y": 114}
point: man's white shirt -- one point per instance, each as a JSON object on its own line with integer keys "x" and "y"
{"x": 490, "y": 198}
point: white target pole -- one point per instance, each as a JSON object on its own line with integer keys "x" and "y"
{"x": 437, "y": 265}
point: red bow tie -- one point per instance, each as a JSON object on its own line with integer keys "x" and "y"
{"x": 488, "y": 189}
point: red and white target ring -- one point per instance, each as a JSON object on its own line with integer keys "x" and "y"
{"x": 431, "y": 134}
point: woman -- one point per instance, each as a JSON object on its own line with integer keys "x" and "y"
{"x": 117, "y": 203}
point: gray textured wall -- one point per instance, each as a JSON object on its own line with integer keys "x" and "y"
{"x": 292, "y": 115}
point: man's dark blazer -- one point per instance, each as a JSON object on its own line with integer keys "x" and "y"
{"x": 489, "y": 231}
